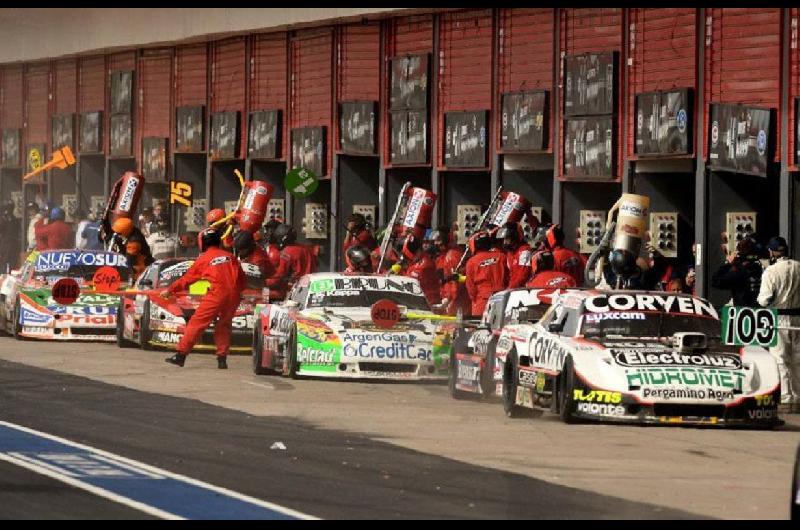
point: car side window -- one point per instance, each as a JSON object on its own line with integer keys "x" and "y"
{"x": 496, "y": 315}
{"x": 299, "y": 295}
{"x": 571, "y": 324}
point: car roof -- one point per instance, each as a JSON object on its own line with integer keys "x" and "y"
{"x": 337, "y": 275}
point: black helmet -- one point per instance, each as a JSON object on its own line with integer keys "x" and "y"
{"x": 269, "y": 230}
{"x": 554, "y": 236}
{"x": 622, "y": 262}
{"x": 208, "y": 238}
{"x": 512, "y": 231}
{"x": 480, "y": 241}
{"x": 359, "y": 220}
{"x": 358, "y": 258}
{"x": 411, "y": 247}
{"x": 284, "y": 235}
{"x": 542, "y": 261}
{"x": 243, "y": 243}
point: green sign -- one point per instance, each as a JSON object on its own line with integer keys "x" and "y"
{"x": 322, "y": 286}
{"x": 747, "y": 326}
{"x": 301, "y": 182}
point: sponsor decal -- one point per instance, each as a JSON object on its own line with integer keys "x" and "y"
{"x": 762, "y": 414}
{"x": 36, "y": 330}
{"x": 685, "y": 377}
{"x": 219, "y": 260}
{"x": 366, "y": 284}
{"x": 310, "y": 355}
{"x": 614, "y": 315}
{"x": 251, "y": 270}
{"x": 601, "y": 409}
{"x": 505, "y": 209}
{"x": 488, "y": 262}
{"x": 175, "y": 271}
{"x": 632, "y": 209}
{"x": 548, "y": 353}
{"x": 596, "y": 396}
{"x": 30, "y": 317}
{"x": 243, "y": 322}
{"x": 468, "y": 372}
{"x": 682, "y": 120}
{"x": 665, "y": 358}
{"x": 47, "y": 261}
{"x": 127, "y": 195}
{"x": 167, "y": 337}
{"x": 765, "y": 400}
{"x": 104, "y": 320}
{"x": 646, "y": 302}
{"x": 373, "y": 337}
{"x": 527, "y": 378}
{"x": 393, "y": 350}
{"x": 761, "y": 142}
{"x": 414, "y": 207}
{"x": 83, "y": 310}
{"x": 687, "y": 393}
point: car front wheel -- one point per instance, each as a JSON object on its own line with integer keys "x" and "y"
{"x": 566, "y": 399}
{"x": 510, "y": 406}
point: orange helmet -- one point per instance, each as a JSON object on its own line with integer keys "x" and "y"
{"x": 123, "y": 226}
{"x": 215, "y": 215}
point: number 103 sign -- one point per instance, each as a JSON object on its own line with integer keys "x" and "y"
{"x": 748, "y": 326}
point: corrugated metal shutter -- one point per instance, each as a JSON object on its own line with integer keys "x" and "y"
{"x": 122, "y": 61}
{"x": 312, "y": 83}
{"x": 525, "y": 54}
{"x": 191, "y": 69}
{"x": 404, "y": 36}
{"x": 743, "y": 60}
{"x": 125, "y": 61}
{"x": 358, "y": 60}
{"x": 593, "y": 30}
{"x": 663, "y": 47}
{"x": 268, "y": 66}
{"x": 37, "y": 99}
{"x": 11, "y": 117}
{"x": 91, "y": 84}
{"x": 155, "y": 83}
{"x": 66, "y": 87}
{"x": 794, "y": 86}
{"x": 465, "y": 59}
{"x": 228, "y": 80}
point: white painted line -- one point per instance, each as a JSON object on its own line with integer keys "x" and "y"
{"x": 268, "y": 386}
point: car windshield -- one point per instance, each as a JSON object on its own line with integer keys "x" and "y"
{"x": 51, "y": 266}
{"x": 170, "y": 273}
{"x": 362, "y": 298}
{"x": 646, "y": 324}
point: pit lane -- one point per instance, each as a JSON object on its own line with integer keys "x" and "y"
{"x": 383, "y": 450}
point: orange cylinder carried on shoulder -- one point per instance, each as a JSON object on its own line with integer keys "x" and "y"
{"x": 253, "y": 211}
{"x": 125, "y": 196}
{"x": 418, "y": 211}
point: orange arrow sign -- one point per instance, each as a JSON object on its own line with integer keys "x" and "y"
{"x": 62, "y": 159}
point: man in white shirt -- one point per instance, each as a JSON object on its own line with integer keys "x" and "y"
{"x": 35, "y": 215}
{"x": 780, "y": 289}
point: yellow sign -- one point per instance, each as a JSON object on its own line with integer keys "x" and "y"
{"x": 34, "y": 158}
{"x": 180, "y": 192}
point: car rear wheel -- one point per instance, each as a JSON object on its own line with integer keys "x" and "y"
{"x": 122, "y": 342}
{"x": 455, "y": 393}
{"x": 258, "y": 356}
{"x": 145, "y": 333}
{"x": 566, "y": 387}
{"x": 510, "y": 406}
{"x": 291, "y": 347}
{"x": 15, "y": 325}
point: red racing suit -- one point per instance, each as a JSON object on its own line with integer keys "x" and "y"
{"x": 227, "y": 279}
{"x": 552, "y": 280}
{"x": 519, "y": 265}
{"x": 55, "y": 235}
{"x": 424, "y": 270}
{"x": 260, "y": 259}
{"x": 570, "y": 262}
{"x": 454, "y": 291}
{"x": 486, "y": 274}
{"x": 278, "y": 280}
{"x": 363, "y": 238}
{"x": 301, "y": 260}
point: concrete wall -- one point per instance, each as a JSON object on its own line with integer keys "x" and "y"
{"x": 30, "y": 34}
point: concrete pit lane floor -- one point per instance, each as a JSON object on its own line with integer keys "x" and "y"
{"x": 371, "y": 450}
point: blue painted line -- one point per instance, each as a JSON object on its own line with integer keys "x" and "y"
{"x": 129, "y": 482}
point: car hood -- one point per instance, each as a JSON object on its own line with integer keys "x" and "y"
{"x": 42, "y": 300}
{"x": 634, "y": 353}
{"x": 349, "y": 323}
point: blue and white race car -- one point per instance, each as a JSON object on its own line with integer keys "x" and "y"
{"x": 28, "y": 310}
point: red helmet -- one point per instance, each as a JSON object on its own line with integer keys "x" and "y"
{"x": 411, "y": 247}
{"x": 542, "y": 261}
{"x": 554, "y": 236}
{"x": 215, "y": 215}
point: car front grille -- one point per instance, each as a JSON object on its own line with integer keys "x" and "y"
{"x": 93, "y": 331}
{"x": 388, "y": 367}
{"x": 701, "y": 411}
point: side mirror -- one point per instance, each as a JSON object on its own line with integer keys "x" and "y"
{"x": 556, "y": 327}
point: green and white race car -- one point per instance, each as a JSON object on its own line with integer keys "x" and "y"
{"x": 324, "y": 329}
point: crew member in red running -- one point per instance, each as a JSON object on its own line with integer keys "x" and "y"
{"x": 415, "y": 263}
{"x": 543, "y": 275}
{"x": 56, "y": 234}
{"x": 357, "y": 233}
{"x": 486, "y": 271}
{"x": 565, "y": 259}
{"x": 222, "y": 270}
{"x": 358, "y": 260}
{"x": 518, "y": 254}
{"x": 301, "y": 260}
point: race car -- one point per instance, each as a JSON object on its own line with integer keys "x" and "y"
{"x": 28, "y": 310}
{"x": 149, "y": 321}
{"x": 324, "y": 329}
{"x": 636, "y": 357}
{"x": 473, "y": 370}
{"x": 795, "y": 500}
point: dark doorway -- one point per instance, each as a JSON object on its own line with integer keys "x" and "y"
{"x": 358, "y": 185}
{"x": 299, "y": 221}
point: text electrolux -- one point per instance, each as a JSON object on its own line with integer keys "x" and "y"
{"x": 644, "y": 377}
{"x": 636, "y": 358}
{"x": 647, "y": 302}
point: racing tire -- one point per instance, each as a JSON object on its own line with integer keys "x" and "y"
{"x": 16, "y": 327}
{"x": 122, "y": 342}
{"x": 510, "y": 406}
{"x": 795, "y": 501}
{"x": 292, "y": 354}
{"x": 145, "y": 334}
{"x": 455, "y": 393}
{"x": 487, "y": 375}
{"x": 566, "y": 387}
{"x": 258, "y": 339}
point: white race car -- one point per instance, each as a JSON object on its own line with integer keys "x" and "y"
{"x": 636, "y": 357}
{"x": 324, "y": 329}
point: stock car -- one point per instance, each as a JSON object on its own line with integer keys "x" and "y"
{"x": 324, "y": 329}
{"x": 27, "y": 308}
{"x": 152, "y": 322}
{"x": 473, "y": 370}
{"x": 636, "y": 357}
